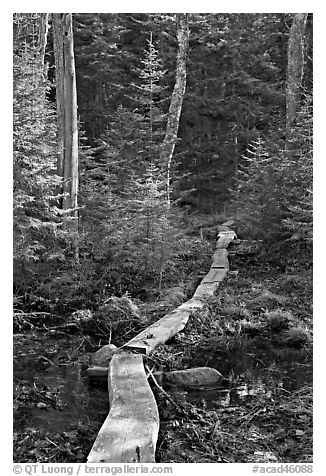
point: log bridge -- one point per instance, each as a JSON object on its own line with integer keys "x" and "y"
{"x": 130, "y": 431}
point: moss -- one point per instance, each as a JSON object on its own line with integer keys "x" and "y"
{"x": 297, "y": 337}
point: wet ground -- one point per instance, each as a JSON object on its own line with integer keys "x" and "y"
{"x": 250, "y": 374}
{"x": 59, "y": 366}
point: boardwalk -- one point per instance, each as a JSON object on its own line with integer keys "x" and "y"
{"x": 129, "y": 433}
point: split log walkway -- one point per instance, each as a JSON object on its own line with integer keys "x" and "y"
{"x": 129, "y": 433}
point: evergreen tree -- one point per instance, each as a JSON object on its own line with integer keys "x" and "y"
{"x": 124, "y": 182}
{"x": 235, "y": 92}
{"x": 299, "y": 219}
{"x": 261, "y": 192}
{"x": 36, "y": 217}
{"x": 273, "y": 197}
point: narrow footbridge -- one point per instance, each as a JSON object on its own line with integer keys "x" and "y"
{"x": 130, "y": 431}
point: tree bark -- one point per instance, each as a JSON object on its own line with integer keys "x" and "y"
{"x": 71, "y": 127}
{"x": 57, "y": 28}
{"x": 67, "y": 115}
{"x": 43, "y": 36}
{"x": 172, "y": 126}
{"x": 294, "y": 70}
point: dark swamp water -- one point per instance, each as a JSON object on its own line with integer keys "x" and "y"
{"x": 247, "y": 375}
{"x": 56, "y": 366}
{"x": 59, "y": 366}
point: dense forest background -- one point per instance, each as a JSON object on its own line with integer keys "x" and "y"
{"x": 238, "y": 155}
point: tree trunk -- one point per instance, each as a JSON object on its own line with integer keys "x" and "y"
{"x": 67, "y": 114}
{"x": 43, "y": 36}
{"x": 172, "y": 126}
{"x": 294, "y": 70}
{"x": 71, "y": 127}
{"x": 57, "y": 28}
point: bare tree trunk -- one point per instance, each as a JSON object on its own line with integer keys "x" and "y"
{"x": 67, "y": 114}
{"x": 57, "y": 28}
{"x": 294, "y": 70}
{"x": 43, "y": 37}
{"x": 172, "y": 126}
{"x": 71, "y": 127}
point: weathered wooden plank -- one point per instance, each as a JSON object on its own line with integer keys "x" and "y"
{"x": 97, "y": 372}
{"x": 227, "y": 232}
{"x": 100, "y": 374}
{"x": 215, "y": 275}
{"x": 191, "y": 305}
{"x": 224, "y": 240}
{"x": 159, "y": 332}
{"x": 129, "y": 433}
{"x": 206, "y": 290}
{"x": 228, "y": 223}
{"x": 220, "y": 259}
{"x": 163, "y": 329}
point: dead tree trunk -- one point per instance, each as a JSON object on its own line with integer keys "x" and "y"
{"x": 43, "y": 36}
{"x": 71, "y": 127}
{"x": 294, "y": 70}
{"x": 57, "y": 28}
{"x": 67, "y": 115}
{"x": 172, "y": 126}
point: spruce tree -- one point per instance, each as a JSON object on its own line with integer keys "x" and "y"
{"x": 36, "y": 214}
{"x": 126, "y": 184}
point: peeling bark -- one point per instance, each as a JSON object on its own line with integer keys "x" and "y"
{"x": 57, "y": 29}
{"x": 71, "y": 128}
{"x": 294, "y": 69}
{"x": 67, "y": 114}
{"x": 43, "y": 36}
{"x": 172, "y": 126}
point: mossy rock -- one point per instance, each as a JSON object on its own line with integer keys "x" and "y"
{"x": 297, "y": 337}
{"x": 196, "y": 377}
{"x": 278, "y": 320}
{"x": 103, "y": 356}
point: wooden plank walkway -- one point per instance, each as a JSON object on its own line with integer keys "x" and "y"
{"x": 129, "y": 433}
{"x": 165, "y": 328}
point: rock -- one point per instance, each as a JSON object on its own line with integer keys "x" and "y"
{"x": 278, "y": 320}
{"x": 297, "y": 337}
{"x": 196, "y": 377}
{"x": 102, "y": 357}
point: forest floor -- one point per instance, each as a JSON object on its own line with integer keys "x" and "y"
{"x": 257, "y": 332}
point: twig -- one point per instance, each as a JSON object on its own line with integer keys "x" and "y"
{"x": 80, "y": 345}
{"x": 150, "y": 373}
{"x": 32, "y": 314}
{"x": 52, "y": 442}
{"x": 173, "y": 355}
{"x": 46, "y": 359}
